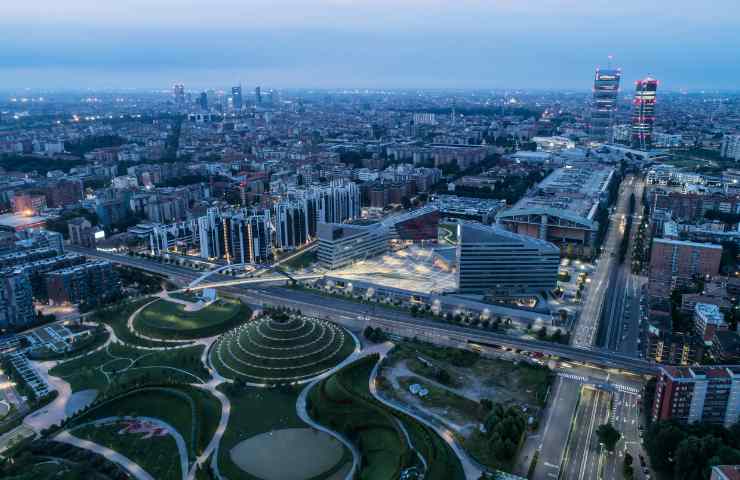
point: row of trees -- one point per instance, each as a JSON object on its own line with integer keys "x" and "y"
{"x": 504, "y": 430}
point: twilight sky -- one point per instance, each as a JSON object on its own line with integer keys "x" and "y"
{"x": 686, "y": 44}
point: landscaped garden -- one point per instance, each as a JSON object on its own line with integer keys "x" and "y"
{"x": 279, "y": 349}
{"x": 343, "y": 402}
{"x": 143, "y": 423}
{"x": 167, "y": 320}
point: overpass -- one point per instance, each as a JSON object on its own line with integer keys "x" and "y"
{"x": 195, "y": 285}
{"x": 247, "y": 267}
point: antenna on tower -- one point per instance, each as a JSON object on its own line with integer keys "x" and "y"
{"x": 610, "y": 57}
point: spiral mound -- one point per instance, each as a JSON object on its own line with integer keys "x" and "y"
{"x": 271, "y": 352}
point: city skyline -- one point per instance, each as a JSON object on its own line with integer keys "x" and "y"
{"x": 336, "y": 44}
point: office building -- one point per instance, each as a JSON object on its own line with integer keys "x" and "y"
{"x": 643, "y": 113}
{"x": 675, "y": 263}
{"x": 562, "y": 208}
{"x": 604, "y": 103}
{"x": 730, "y": 147}
{"x": 698, "y": 394}
{"x": 178, "y": 92}
{"x": 236, "y": 97}
{"x": 343, "y": 244}
{"x": 258, "y": 95}
{"x": 468, "y": 208}
{"x": 203, "y": 101}
{"x": 495, "y": 262}
{"x": 90, "y": 283}
{"x": 16, "y": 300}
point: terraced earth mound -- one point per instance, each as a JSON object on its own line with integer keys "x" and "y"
{"x": 269, "y": 351}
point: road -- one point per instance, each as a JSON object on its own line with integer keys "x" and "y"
{"x": 625, "y": 416}
{"x": 584, "y": 459}
{"x": 357, "y": 314}
{"x": 551, "y": 440}
{"x": 619, "y": 323}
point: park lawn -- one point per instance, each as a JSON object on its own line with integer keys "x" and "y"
{"x": 116, "y": 316}
{"x": 157, "y": 455}
{"x": 255, "y": 411}
{"x": 86, "y": 372}
{"x": 170, "y": 315}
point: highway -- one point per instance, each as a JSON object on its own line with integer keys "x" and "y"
{"x": 349, "y": 312}
{"x": 624, "y": 416}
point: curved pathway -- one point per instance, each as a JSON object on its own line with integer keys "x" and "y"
{"x": 471, "y": 467}
{"x": 130, "y": 466}
{"x": 182, "y": 448}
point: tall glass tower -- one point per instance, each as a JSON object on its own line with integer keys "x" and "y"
{"x": 643, "y": 113}
{"x": 236, "y": 96}
{"x": 604, "y": 103}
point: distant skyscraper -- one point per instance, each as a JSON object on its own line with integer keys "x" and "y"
{"x": 178, "y": 90}
{"x": 604, "y": 106}
{"x": 258, "y": 95}
{"x": 203, "y": 101}
{"x": 236, "y": 96}
{"x": 643, "y": 113}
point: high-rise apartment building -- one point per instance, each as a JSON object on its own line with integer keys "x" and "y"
{"x": 730, "y": 147}
{"x": 291, "y": 224}
{"x": 498, "y": 263}
{"x": 604, "y": 103}
{"x": 236, "y": 97}
{"x": 698, "y": 394}
{"x": 89, "y": 283}
{"x": 643, "y": 113}
{"x": 16, "y": 299}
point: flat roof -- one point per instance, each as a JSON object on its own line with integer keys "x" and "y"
{"x": 687, "y": 243}
{"x": 14, "y": 220}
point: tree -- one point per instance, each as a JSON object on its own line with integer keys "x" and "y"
{"x": 608, "y": 435}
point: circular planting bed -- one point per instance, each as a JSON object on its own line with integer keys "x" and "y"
{"x": 303, "y": 453}
{"x": 167, "y": 320}
{"x": 269, "y": 351}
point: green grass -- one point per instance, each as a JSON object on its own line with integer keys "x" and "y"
{"x": 194, "y": 413}
{"x": 165, "y": 319}
{"x": 86, "y": 372}
{"x": 157, "y": 455}
{"x": 116, "y": 316}
{"x": 343, "y": 402}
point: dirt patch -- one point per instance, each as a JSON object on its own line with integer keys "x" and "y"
{"x": 289, "y": 454}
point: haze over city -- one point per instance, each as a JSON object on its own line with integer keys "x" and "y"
{"x": 551, "y": 44}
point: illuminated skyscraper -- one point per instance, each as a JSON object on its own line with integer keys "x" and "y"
{"x": 604, "y": 106}
{"x": 643, "y": 113}
{"x": 236, "y": 96}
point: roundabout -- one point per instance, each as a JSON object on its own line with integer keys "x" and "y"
{"x": 270, "y": 351}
